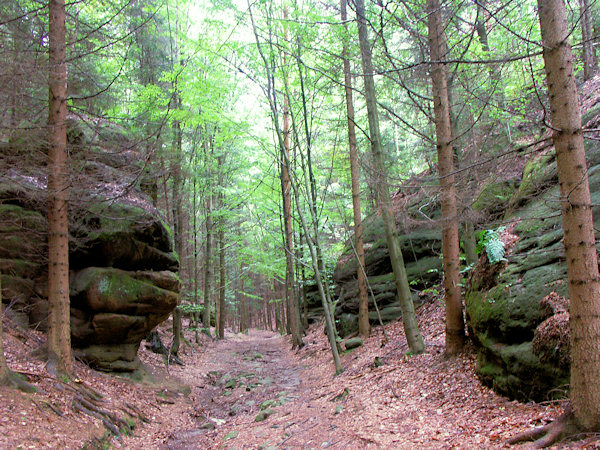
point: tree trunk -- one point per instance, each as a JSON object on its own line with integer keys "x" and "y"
{"x": 243, "y": 320}
{"x": 303, "y": 275}
{"x": 292, "y": 311}
{"x": 455, "y": 327}
{"x": 59, "y": 334}
{"x": 208, "y": 267}
{"x": 4, "y": 372}
{"x": 578, "y": 225}
{"x": 289, "y": 236}
{"x": 196, "y": 275}
{"x": 364, "y": 328}
{"x": 314, "y": 247}
{"x": 283, "y": 143}
{"x": 590, "y": 62}
{"x": 221, "y": 309}
{"x": 470, "y": 242}
{"x": 409, "y": 318}
{"x": 177, "y": 221}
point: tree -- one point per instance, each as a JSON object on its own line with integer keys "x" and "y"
{"x": 578, "y": 227}
{"x": 590, "y": 61}
{"x": 4, "y": 372}
{"x": 283, "y": 146}
{"x": 455, "y": 326}
{"x": 364, "y": 328}
{"x": 409, "y": 319}
{"x": 59, "y": 336}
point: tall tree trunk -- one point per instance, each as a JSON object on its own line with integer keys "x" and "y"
{"x": 221, "y": 309}
{"x": 578, "y": 225}
{"x": 196, "y": 275}
{"x": 208, "y": 267}
{"x": 292, "y": 310}
{"x": 177, "y": 221}
{"x": 409, "y": 318}
{"x": 364, "y": 328}
{"x": 303, "y": 275}
{"x": 243, "y": 319}
{"x": 455, "y": 327}
{"x": 59, "y": 334}
{"x": 271, "y": 94}
{"x": 590, "y": 62}
{"x": 289, "y": 235}
{"x": 313, "y": 246}
{"x": 4, "y": 372}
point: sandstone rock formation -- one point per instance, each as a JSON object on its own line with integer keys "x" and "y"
{"x": 123, "y": 276}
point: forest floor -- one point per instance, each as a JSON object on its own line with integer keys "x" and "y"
{"x": 253, "y": 391}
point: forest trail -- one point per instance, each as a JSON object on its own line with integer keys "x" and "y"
{"x": 385, "y": 398}
{"x": 238, "y": 377}
{"x": 422, "y": 401}
{"x": 252, "y": 386}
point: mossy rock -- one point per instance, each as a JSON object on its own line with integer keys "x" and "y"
{"x": 264, "y": 415}
{"x": 504, "y": 315}
{"x": 425, "y": 271}
{"x": 112, "y": 290}
{"x": 21, "y": 233}
{"x": 110, "y": 328}
{"x": 415, "y": 245}
{"x": 494, "y": 196}
{"x": 515, "y": 371}
{"x": 388, "y": 314}
{"x": 353, "y": 343}
{"x": 164, "y": 279}
{"x": 111, "y": 311}
{"x": 110, "y": 358}
{"x": 510, "y": 310}
{"x": 347, "y": 324}
{"x": 17, "y": 290}
{"x": 125, "y": 252}
{"x": 539, "y": 171}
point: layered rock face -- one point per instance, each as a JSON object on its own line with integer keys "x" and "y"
{"x": 516, "y": 310}
{"x": 123, "y": 278}
{"x": 421, "y": 247}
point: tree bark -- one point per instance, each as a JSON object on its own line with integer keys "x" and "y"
{"x": 455, "y": 327}
{"x": 590, "y": 62}
{"x": 208, "y": 267}
{"x": 409, "y": 318}
{"x": 221, "y": 309}
{"x": 59, "y": 334}
{"x": 243, "y": 319}
{"x": 177, "y": 220}
{"x": 292, "y": 310}
{"x": 292, "y": 319}
{"x": 578, "y": 226}
{"x": 364, "y": 328}
{"x": 4, "y": 372}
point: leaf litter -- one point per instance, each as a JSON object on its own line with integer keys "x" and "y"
{"x": 385, "y": 398}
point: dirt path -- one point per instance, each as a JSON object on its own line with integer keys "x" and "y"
{"x": 254, "y": 392}
{"x": 240, "y": 378}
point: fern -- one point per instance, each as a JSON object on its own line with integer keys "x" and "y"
{"x": 494, "y": 247}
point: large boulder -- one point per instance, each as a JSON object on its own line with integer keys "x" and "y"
{"x": 116, "y": 309}
{"x": 123, "y": 278}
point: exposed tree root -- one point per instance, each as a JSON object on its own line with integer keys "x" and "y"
{"x": 551, "y": 433}
{"x": 15, "y": 381}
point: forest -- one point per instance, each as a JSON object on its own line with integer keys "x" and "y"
{"x": 299, "y": 224}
